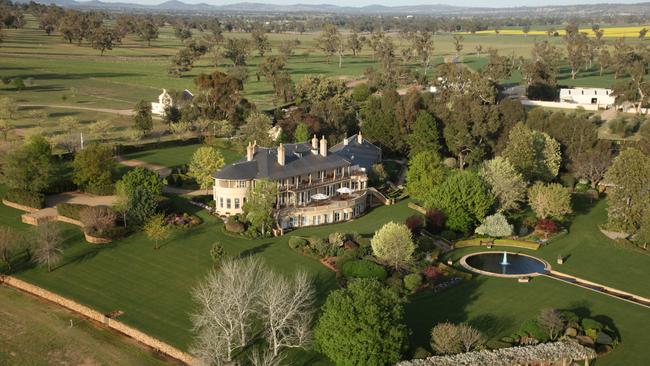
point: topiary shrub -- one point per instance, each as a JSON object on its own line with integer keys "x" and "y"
{"x": 363, "y": 269}
{"x": 71, "y": 210}
{"x": 412, "y": 281}
{"x": 25, "y": 198}
{"x": 296, "y": 242}
{"x": 323, "y": 248}
{"x": 336, "y": 239}
{"x": 415, "y": 223}
{"x": 235, "y": 226}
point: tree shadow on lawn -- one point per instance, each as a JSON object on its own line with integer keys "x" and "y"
{"x": 255, "y": 250}
{"x": 424, "y": 311}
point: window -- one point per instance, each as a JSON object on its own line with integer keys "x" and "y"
{"x": 236, "y": 203}
{"x": 303, "y": 220}
{"x": 337, "y": 216}
{"x": 221, "y": 202}
{"x": 228, "y": 203}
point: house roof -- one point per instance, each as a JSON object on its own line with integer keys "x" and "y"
{"x": 300, "y": 160}
{"x": 363, "y": 154}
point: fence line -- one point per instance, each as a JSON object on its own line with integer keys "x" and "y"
{"x": 139, "y": 336}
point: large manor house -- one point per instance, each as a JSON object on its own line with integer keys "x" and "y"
{"x": 316, "y": 184}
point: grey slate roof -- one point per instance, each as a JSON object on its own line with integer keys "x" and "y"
{"x": 365, "y": 154}
{"x": 299, "y": 160}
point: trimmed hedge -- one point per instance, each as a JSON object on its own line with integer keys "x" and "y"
{"x": 70, "y": 210}
{"x": 364, "y": 269}
{"x": 475, "y": 242}
{"x": 235, "y": 226}
{"x": 25, "y": 198}
{"x": 296, "y": 242}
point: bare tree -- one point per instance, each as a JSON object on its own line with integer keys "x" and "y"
{"x": 287, "y": 310}
{"x": 552, "y": 321}
{"x": 49, "y": 245}
{"x": 470, "y": 338}
{"x": 228, "y": 306}
{"x": 9, "y": 241}
{"x": 265, "y": 357}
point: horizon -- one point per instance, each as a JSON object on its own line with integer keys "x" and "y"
{"x": 391, "y": 3}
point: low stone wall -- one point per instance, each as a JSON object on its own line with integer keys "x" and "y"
{"x": 69, "y": 220}
{"x": 564, "y": 105}
{"x": 101, "y": 318}
{"x": 608, "y": 290}
{"x": 19, "y": 206}
{"x": 96, "y": 240}
{"x": 614, "y": 235}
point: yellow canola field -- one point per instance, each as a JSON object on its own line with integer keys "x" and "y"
{"x": 609, "y": 31}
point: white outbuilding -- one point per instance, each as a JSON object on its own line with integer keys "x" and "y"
{"x": 165, "y": 100}
{"x": 602, "y": 98}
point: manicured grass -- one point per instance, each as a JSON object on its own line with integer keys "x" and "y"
{"x": 590, "y": 254}
{"x": 152, "y": 287}
{"x": 35, "y": 332}
{"x": 499, "y": 306}
{"x": 177, "y": 155}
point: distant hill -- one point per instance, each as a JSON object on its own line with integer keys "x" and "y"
{"x": 428, "y": 10}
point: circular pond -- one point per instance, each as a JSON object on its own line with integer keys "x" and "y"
{"x": 504, "y": 264}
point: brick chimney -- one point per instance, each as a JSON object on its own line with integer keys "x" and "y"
{"x": 281, "y": 155}
{"x": 345, "y": 139}
{"x": 323, "y": 146}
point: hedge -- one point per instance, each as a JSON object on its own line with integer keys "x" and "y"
{"x": 364, "y": 269}
{"x": 25, "y": 198}
{"x": 475, "y": 242}
{"x": 235, "y": 226}
{"x": 296, "y": 242}
{"x": 70, "y": 210}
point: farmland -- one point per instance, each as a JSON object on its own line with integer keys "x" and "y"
{"x": 64, "y": 79}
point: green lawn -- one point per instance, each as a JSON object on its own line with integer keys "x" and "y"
{"x": 35, "y": 332}
{"x": 498, "y": 306}
{"x": 177, "y": 155}
{"x": 590, "y": 254}
{"x": 151, "y": 287}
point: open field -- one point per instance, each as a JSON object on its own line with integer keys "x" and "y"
{"x": 609, "y": 31}
{"x": 69, "y": 80}
{"x": 34, "y": 332}
{"x": 177, "y": 155}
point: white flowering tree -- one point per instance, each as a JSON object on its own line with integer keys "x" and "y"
{"x": 495, "y": 226}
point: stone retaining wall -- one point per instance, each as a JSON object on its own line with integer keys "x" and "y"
{"x": 101, "y": 318}
{"x": 19, "y": 206}
{"x": 614, "y": 235}
{"x": 611, "y": 290}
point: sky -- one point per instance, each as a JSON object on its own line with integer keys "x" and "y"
{"x": 356, "y": 3}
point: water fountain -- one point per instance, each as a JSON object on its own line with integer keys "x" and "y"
{"x": 504, "y": 261}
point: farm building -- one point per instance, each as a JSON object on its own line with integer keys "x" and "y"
{"x": 602, "y": 98}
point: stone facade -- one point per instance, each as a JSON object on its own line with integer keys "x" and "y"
{"x": 315, "y": 186}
